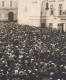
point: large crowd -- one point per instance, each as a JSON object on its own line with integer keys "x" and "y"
{"x": 31, "y": 53}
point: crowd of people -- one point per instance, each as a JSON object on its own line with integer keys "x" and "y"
{"x": 31, "y": 53}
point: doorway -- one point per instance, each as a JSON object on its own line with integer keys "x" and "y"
{"x": 10, "y": 16}
{"x": 61, "y": 27}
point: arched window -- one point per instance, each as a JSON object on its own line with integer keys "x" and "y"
{"x": 10, "y": 16}
{"x": 47, "y": 6}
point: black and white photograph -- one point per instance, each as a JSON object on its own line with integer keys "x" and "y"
{"x": 32, "y": 39}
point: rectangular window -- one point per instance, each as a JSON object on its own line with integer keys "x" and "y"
{"x": 51, "y": 10}
{"x": 10, "y": 3}
{"x": 2, "y": 3}
{"x": 60, "y": 9}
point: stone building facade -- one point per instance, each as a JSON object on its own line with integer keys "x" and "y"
{"x": 50, "y": 13}
{"x": 8, "y": 10}
{"x": 53, "y": 14}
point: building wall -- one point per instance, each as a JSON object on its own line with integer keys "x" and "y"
{"x": 29, "y": 12}
{"x": 35, "y": 12}
{"x": 55, "y": 19}
{"x": 7, "y": 6}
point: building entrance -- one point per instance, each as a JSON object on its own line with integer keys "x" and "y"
{"x": 10, "y": 16}
{"x": 61, "y": 27}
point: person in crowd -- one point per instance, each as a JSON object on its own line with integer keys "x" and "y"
{"x": 26, "y": 53}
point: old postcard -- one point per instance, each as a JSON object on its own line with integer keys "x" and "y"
{"x": 32, "y": 39}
